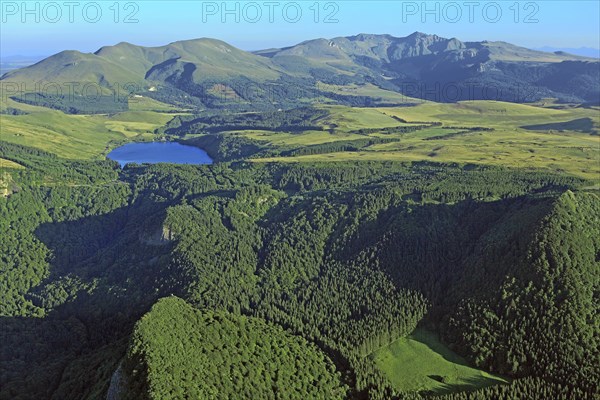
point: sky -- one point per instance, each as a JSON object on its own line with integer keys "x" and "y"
{"x": 35, "y": 28}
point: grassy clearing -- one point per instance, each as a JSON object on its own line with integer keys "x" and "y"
{"x": 7, "y": 164}
{"x": 421, "y": 362}
{"x": 352, "y": 118}
{"x": 143, "y": 103}
{"x": 294, "y": 139}
{"x": 135, "y": 123}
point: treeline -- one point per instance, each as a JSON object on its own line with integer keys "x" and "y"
{"x": 243, "y": 94}
{"x": 526, "y": 388}
{"x": 12, "y": 111}
{"x": 337, "y": 146}
{"x": 461, "y": 132}
{"x": 396, "y": 129}
{"x": 226, "y": 147}
{"x": 42, "y": 167}
{"x": 77, "y": 104}
{"x": 423, "y": 181}
{"x": 294, "y": 120}
{"x": 222, "y": 147}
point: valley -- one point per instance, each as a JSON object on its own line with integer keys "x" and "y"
{"x": 327, "y": 236}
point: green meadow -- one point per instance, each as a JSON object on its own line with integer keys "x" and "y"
{"x": 545, "y": 136}
{"x": 81, "y": 136}
{"x": 523, "y": 136}
{"x": 420, "y": 362}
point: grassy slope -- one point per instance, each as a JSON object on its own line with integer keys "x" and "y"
{"x": 341, "y": 120}
{"x": 570, "y": 151}
{"x": 125, "y": 63}
{"x": 368, "y": 90}
{"x": 346, "y": 118}
{"x": 81, "y": 136}
{"x": 143, "y": 103}
{"x": 421, "y": 362}
{"x": 72, "y": 66}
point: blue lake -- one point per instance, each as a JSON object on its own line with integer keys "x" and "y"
{"x": 159, "y": 152}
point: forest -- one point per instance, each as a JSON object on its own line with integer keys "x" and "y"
{"x": 273, "y": 280}
{"x": 310, "y": 216}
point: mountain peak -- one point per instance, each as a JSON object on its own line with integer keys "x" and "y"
{"x": 202, "y": 40}
{"x": 120, "y": 45}
{"x": 421, "y": 35}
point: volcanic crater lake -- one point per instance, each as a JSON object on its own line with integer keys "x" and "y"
{"x": 159, "y": 152}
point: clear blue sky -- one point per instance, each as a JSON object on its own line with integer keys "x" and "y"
{"x": 264, "y": 24}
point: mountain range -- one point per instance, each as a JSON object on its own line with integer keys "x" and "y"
{"x": 209, "y": 72}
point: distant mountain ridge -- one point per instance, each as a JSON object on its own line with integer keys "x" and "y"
{"x": 389, "y": 48}
{"x": 209, "y": 72}
{"x": 580, "y": 51}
